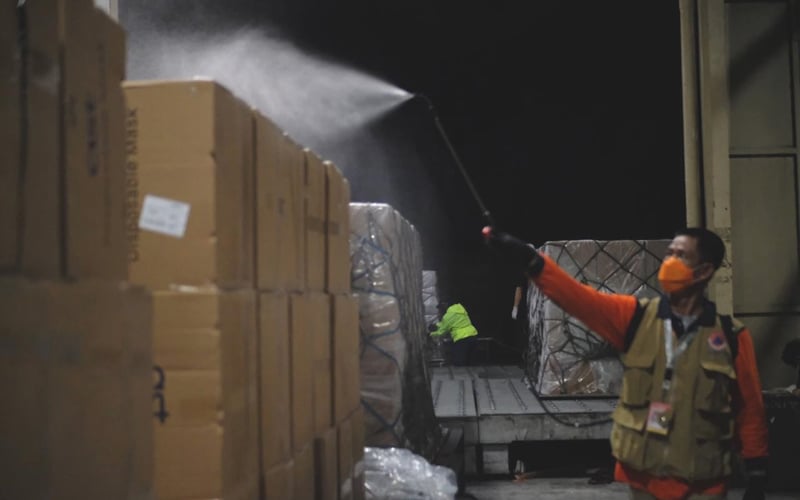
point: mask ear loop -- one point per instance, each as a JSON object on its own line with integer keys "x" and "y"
{"x": 697, "y": 268}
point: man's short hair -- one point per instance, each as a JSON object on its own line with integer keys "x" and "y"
{"x": 710, "y": 247}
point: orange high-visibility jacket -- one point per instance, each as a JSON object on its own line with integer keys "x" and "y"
{"x": 615, "y": 317}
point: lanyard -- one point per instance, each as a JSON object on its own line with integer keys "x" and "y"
{"x": 673, "y": 353}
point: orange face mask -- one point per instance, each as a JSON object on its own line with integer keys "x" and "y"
{"x": 674, "y": 275}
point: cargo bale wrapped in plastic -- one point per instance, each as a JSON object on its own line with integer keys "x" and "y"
{"x": 564, "y": 356}
{"x": 430, "y": 298}
{"x": 386, "y": 257}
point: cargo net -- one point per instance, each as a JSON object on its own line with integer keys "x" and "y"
{"x": 386, "y": 257}
{"x": 565, "y": 357}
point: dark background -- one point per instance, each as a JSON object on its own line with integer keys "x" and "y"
{"x": 565, "y": 114}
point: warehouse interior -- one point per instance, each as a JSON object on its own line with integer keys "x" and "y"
{"x": 231, "y": 230}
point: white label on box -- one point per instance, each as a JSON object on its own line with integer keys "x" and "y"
{"x": 165, "y": 216}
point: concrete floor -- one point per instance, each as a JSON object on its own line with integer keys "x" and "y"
{"x": 568, "y": 489}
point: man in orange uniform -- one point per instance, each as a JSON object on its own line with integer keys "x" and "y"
{"x": 691, "y": 394}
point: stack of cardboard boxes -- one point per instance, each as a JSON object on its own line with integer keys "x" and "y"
{"x": 243, "y": 236}
{"x": 75, "y": 338}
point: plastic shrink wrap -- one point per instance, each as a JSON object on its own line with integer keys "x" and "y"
{"x": 386, "y": 257}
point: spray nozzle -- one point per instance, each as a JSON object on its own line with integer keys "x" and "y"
{"x": 427, "y": 101}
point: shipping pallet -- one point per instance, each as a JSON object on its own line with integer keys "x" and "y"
{"x": 495, "y": 408}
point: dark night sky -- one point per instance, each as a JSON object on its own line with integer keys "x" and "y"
{"x": 566, "y": 114}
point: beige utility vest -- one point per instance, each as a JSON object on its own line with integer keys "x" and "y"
{"x": 698, "y": 444}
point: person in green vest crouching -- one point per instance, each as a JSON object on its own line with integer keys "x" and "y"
{"x": 453, "y": 319}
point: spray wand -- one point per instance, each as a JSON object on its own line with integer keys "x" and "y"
{"x": 488, "y": 232}
{"x": 484, "y": 211}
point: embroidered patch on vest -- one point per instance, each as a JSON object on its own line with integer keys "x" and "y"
{"x": 716, "y": 341}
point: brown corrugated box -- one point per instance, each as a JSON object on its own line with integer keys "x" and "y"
{"x": 302, "y": 355}
{"x": 304, "y": 484}
{"x": 315, "y": 208}
{"x": 94, "y": 66}
{"x": 83, "y": 351}
{"x": 73, "y": 187}
{"x": 10, "y": 122}
{"x": 346, "y": 373}
{"x": 345, "y": 464}
{"x": 85, "y": 173}
{"x": 319, "y": 324}
{"x": 111, "y": 54}
{"x": 276, "y": 254}
{"x": 337, "y": 231}
{"x": 42, "y": 229}
{"x": 206, "y": 424}
{"x": 190, "y": 154}
{"x": 325, "y": 465}
{"x": 358, "y": 429}
{"x": 274, "y": 379}
{"x": 296, "y": 160}
{"x": 279, "y": 482}
{"x": 246, "y": 232}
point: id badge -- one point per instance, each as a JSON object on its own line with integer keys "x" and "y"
{"x": 659, "y": 417}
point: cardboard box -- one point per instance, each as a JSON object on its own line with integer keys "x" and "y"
{"x": 190, "y": 158}
{"x": 72, "y": 216}
{"x": 302, "y": 355}
{"x": 279, "y": 482}
{"x": 10, "y": 137}
{"x": 85, "y": 173}
{"x": 337, "y": 231}
{"x": 205, "y": 414}
{"x": 42, "y": 231}
{"x": 346, "y": 360}
{"x": 246, "y": 233}
{"x": 326, "y": 465}
{"x": 276, "y": 254}
{"x": 319, "y": 325}
{"x": 358, "y": 428}
{"x": 304, "y": 484}
{"x": 295, "y": 158}
{"x": 111, "y": 56}
{"x": 315, "y": 208}
{"x": 345, "y": 464}
{"x": 83, "y": 351}
{"x": 93, "y": 59}
{"x": 274, "y": 380}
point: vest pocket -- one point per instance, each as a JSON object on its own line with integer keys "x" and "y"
{"x": 629, "y": 418}
{"x": 713, "y": 401}
{"x": 637, "y": 381}
{"x": 711, "y": 460}
{"x": 627, "y": 441}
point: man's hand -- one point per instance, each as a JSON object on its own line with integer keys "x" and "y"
{"x": 520, "y": 254}
{"x": 514, "y": 312}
